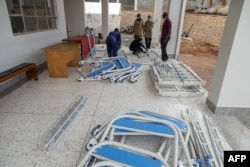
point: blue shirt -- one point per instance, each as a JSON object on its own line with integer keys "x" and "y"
{"x": 116, "y": 36}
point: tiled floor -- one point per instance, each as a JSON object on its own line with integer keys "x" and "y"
{"x": 28, "y": 113}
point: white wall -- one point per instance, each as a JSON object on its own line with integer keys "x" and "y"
{"x": 176, "y": 15}
{"x": 27, "y": 47}
{"x": 230, "y": 85}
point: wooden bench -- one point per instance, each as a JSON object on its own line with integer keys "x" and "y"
{"x": 28, "y": 68}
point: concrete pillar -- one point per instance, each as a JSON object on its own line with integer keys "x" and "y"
{"x": 135, "y": 4}
{"x": 176, "y": 15}
{"x": 158, "y": 17}
{"x": 230, "y": 88}
{"x": 105, "y": 18}
{"x": 84, "y": 14}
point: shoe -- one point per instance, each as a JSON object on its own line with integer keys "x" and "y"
{"x": 165, "y": 60}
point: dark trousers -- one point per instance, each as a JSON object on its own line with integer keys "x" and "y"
{"x": 112, "y": 47}
{"x": 137, "y": 50}
{"x": 164, "y": 55}
{"x": 148, "y": 42}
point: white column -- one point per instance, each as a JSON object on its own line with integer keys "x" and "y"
{"x": 105, "y": 18}
{"x": 176, "y": 15}
{"x": 135, "y": 4}
{"x": 230, "y": 88}
{"x": 158, "y": 17}
{"x": 84, "y": 14}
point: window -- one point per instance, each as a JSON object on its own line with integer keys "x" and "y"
{"x": 31, "y": 15}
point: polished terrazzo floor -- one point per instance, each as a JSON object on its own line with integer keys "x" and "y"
{"x": 28, "y": 113}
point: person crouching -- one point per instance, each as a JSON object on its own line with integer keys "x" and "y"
{"x": 137, "y": 46}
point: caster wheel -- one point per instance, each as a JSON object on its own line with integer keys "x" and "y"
{"x": 112, "y": 79}
{"x": 90, "y": 144}
{"x": 133, "y": 81}
{"x": 97, "y": 58}
{"x": 91, "y": 161}
{"x": 81, "y": 62}
{"x": 97, "y": 77}
{"x": 95, "y": 130}
{"x": 104, "y": 77}
{"x": 80, "y": 79}
{"x": 97, "y": 65}
{"x": 119, "y": 80}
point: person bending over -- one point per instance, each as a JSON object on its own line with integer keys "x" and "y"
{"x": 113, "y": 42}
{"x": 137, "y": 46}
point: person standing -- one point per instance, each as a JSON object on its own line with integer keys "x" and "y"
{"x": 113, "y": 42}
{"x": 138, "y": 26}
{"x": 165, "y": 35}
{"x": 148, "y": 31}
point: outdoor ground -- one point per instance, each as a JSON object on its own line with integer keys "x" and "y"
{"x": 200, "y": 54}
{"x": 200, "y": 57}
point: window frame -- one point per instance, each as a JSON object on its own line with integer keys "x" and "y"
{"x": 50, "y": 17}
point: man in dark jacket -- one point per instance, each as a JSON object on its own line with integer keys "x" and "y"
{"x": 137, "y": 46}
{"x": 165, "y": 35}
{"x": 113, "y": 42}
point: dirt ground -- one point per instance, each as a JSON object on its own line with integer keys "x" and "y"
{"x": 200, "y": 57}
{"x": 201, "y": 54}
